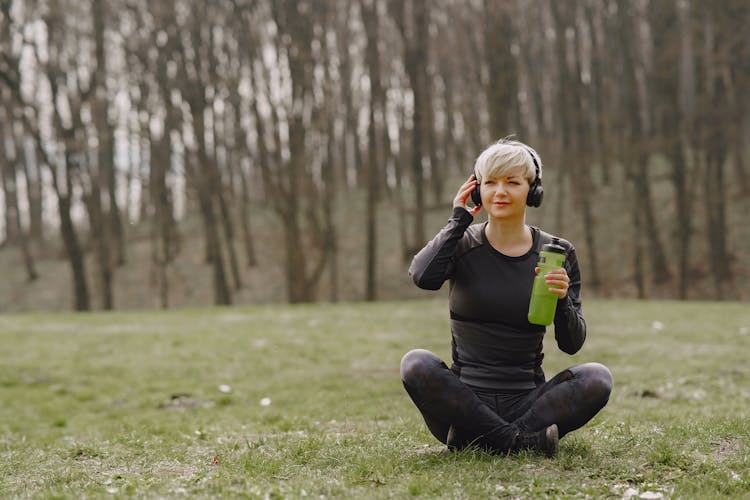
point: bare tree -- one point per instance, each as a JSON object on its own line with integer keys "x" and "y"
{"x": 65, "y": 165}
{"x": 637, "y": 69}
{"x": 716, "y": 84}
{"x": 201, "y": 167}
{"x": 296, "y": 105}
{"x": 412, "y": 19}
{"x": 290, "y": 182}
{"x": 501, "y": 85}
{"x": 15, "y": 233}
{"x": 371, "y": 19}
{"x": 674, "y": 91}
{"x": 574, "y": 127}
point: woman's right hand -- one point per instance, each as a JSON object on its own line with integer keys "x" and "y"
{"x": 463, "y": 195}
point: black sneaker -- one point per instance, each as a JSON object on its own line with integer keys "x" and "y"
{"x": 546, "y": 441}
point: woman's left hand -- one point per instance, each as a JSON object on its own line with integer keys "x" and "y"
{"x": 558, "y": 281}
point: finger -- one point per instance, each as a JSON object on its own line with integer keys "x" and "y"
{"x": 470, "y": 179}
{"x": 462, "y": 190}
{"x": 463, "y": 194}
{"x": 462, "y": 197}
{"x": 468, "y": 186}
{"x": 559, "y": 284}
{"x": 558, "y": 287}
{"x": 561, "y": 294}
{"x": 557, "y": 276}
{"x": 561, "y": 271}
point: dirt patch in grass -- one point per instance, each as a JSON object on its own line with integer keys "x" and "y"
{"x": 185, "y": 402}
{"x": 724, "y": 448}
{"x": 437, "y": 449}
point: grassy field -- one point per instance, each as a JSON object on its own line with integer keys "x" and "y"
{"x": 305, "y": 401}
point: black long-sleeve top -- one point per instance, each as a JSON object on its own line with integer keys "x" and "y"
{"x": 494, "y": 346}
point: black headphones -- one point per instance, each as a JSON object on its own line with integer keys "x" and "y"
{"x": 536, "y": 192}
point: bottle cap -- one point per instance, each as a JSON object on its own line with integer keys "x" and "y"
{"x": 553, "y": 247}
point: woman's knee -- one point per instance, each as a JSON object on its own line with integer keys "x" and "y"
{"x": 597, "y": 380}
{"x": 418, "y": 363}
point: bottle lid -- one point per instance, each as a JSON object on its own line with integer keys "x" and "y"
{"x": 554, "y": 246}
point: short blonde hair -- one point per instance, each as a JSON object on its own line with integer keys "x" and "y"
{"x": 505, "y": 157}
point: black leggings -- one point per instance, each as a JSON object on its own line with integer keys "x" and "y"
{"x": 491, "y": 419}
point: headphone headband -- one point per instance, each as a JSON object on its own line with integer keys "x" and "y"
{"x": 537, "y": 168}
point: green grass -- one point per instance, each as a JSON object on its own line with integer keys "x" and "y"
{"x": 131, "y": 404}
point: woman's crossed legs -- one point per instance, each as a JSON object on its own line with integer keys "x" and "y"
{"x": 458, "y": 416}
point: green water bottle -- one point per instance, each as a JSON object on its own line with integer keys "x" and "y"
{"x": 543, "y": 302}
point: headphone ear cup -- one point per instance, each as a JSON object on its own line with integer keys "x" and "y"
{"x": 476, "y": 196}
{"x": 536, "y": 194}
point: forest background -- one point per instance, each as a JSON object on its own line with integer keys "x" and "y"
{"x": 186, "y": 152}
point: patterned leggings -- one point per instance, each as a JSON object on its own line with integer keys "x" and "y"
{"x": 492, "y": 419}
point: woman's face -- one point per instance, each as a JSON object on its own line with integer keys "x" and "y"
{"x": 505, "y": 197}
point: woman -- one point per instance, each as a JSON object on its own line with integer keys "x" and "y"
{"x": 494, "y": 395}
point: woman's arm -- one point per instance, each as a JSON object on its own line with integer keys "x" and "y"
{"x": 570, "y": 327}
{"x": 434, "y": 263}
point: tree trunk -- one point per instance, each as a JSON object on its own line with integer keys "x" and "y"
{"x": 33, "y": 175}
{"x": 251, "y": 257}
{"x": 72, "y": 245}
{"x": 351, "y": 152}
{"x": 640, "y": 124}
{"x": 683, "y": 206}
{"x": 412, "y": 19}
{"x": 502, "y": 83}
{"x": 67, "y": 229}
{"x": 371, "y": 216}
{"x": 222, "y": 295}
{"x": 239, "y": 153}
{"x": 111, "y": 218}
{"x": 403, "y": 154}
{"x": 575, "y": 129}
{"x": 204, "y": 174}
{"x": 329, "y": 178}
{"x": 290, "y": 187}
{"x": 228, "y": 230}
{"x": 638, "y": 274}
{"x": 202, "y": 177}
{"x": 374, "y": 163}
{"x": 28, "y": 259}
{"x": 13, "y": 225}
{"x": 100, "y": 234}
{"x": 162, "y": 220}
{"x": 716, "y": 107}
{"x": 715, "y": 200}
{"x": 10, "y": 194}
{"x": 675, "y": 92}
